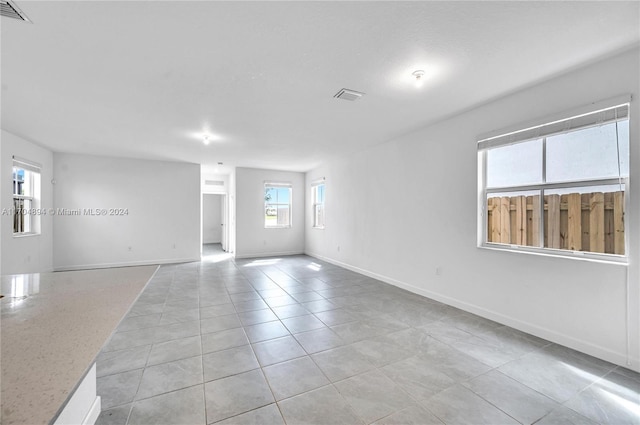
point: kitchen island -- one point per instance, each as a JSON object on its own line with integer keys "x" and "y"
{"x": 52, "y": 327}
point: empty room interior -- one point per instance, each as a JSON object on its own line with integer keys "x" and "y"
{"x": 328, "y": 212}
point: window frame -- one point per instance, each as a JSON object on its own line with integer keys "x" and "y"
{"x": 31, "y": 220}
{"x": 510, "y": 137}
{"x": 315, "y": 204}
{"x": 278, "y": 185}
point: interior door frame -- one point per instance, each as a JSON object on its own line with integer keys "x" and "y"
{"x": 224, "y": 219}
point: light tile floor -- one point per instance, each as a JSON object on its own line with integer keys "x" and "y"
{"x": 296, "y": 340}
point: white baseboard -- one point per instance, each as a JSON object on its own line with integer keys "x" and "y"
{"x": 269, "y": 254}
{"x": 124, "y": 264}
{"x": 94, "y": 412}
{"x": 586, "y": 347}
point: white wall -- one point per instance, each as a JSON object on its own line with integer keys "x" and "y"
{"x": 211, "y": 218}
{"x": 252, "y": 239}
{"x": 27, "y": 254}
{"x": 231, "y": 220}
{"x": 163, "y": 220}
{"x": 431, "y": 176}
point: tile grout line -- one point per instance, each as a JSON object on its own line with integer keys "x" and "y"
{"x": 204, "y": 391}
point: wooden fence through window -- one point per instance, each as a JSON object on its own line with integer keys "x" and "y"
{"x": 592, "y": 222}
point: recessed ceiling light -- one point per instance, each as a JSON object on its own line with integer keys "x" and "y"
{"x": 206, "y": 139}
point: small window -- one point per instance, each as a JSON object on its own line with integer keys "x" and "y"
{"x": 317, "y": 195}
{"x": 26, "y": 198}
{"x": 559, "y": 186}
{"x": 277, "y": 205}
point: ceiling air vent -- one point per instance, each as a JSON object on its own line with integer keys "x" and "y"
{"x": 214, "y": 182}
{"x": 346, "y": 94}
{"x": 10, "y": 10}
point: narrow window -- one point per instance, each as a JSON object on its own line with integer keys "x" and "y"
{"x": 26, "y": 197}
{"x": 317, "y": 194}
{"x": 277, "y": 205}
{"x": 558, "y": 186}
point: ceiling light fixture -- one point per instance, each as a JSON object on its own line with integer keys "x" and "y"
{"x": 203, "y": 136}
{"x": 418, "y": 74}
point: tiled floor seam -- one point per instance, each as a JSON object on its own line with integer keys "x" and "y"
{"x": 491, "y": 403}
{"x": 414, "y": 399}
{"x": 122, "y": 371}
{"x": 204, "y": 390}
{"x": 266, "y": 380}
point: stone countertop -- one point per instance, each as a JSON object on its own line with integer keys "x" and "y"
{"x": 52, "y": 327}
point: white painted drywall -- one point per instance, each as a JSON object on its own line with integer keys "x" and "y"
{"x": 211, "y": 218}
{"x": 252, "y": 239}
{"x": 162, "y": 223}
{"x": 231, "y": 218}
{"x": 407, "y": 207}
{"x": 27, "y": 254}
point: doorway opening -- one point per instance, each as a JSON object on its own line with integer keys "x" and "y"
{"x": 214, "y": 227}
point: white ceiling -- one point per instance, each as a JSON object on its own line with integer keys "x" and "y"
{"x": 141, "y": 79}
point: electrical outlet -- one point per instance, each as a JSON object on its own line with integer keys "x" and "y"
{"x": 439, "y": 271}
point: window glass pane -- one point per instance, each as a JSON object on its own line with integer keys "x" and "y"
{"x": 320, "y": 197}
{"x": 318, "y": 205}
{"x": 623, "y": 140}
{"x": 590, "y": 153}
{"x": 513, "y": 218}
{"x": 282, "y": 195}
{"x": 319, "y": 215}
{"x": 271, "y": 211}
{"x": 277, "y": 206}
{"x": 20, "y": 181}
{"x": 26, "y": 191}
{"x": 515, "y": 165}
{"x": 589, "y": 218}
{"x": 22, "y": 216}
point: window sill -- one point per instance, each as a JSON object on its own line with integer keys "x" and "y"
{"x": 317, "y": 227}
{"x": 25, "y": 235}
{"x": 571, "y": 255}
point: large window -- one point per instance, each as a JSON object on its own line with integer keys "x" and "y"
{"x": 558, "y": 186}
{"x": 277, "y": 205}
{"x": 317, "y": 195}
{"x": 26, "y": 197}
